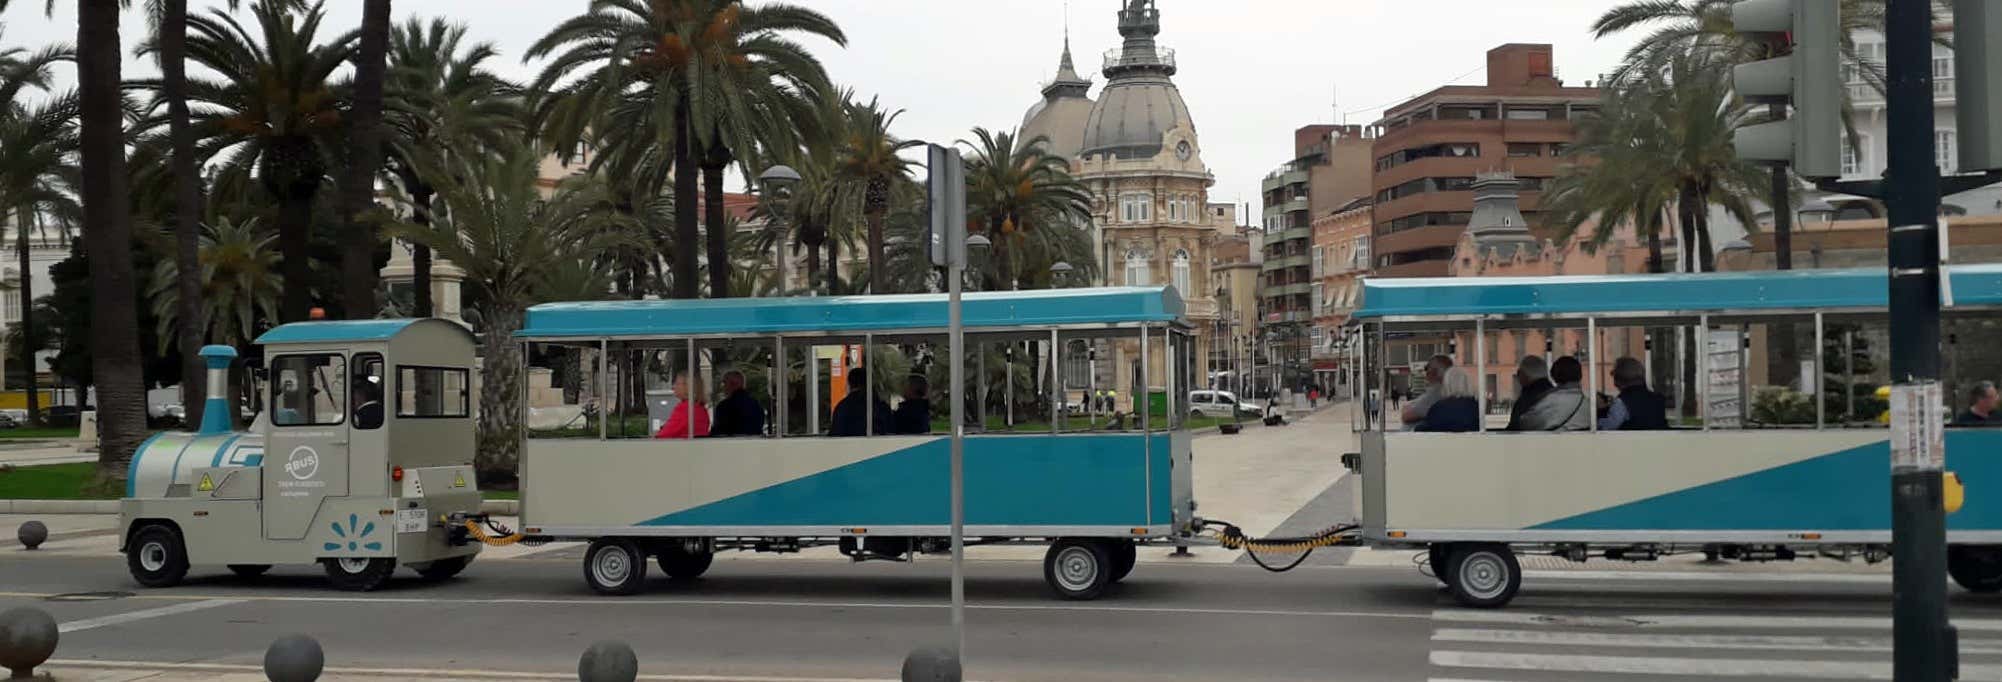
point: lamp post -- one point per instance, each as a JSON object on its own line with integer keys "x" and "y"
{"x": 1060, "y": 273}
{"x": 775, "y": 186}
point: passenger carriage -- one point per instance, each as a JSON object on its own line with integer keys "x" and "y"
{"x": 1721, "y": 482}
{"x": 1092, "y": 486}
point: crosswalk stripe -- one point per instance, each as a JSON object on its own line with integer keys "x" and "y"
{"x": 1680, "y": 641}
{"x": 133, "y": 616}
{"x": 1691, "y": 621}
{"x": 1709, "y": 667}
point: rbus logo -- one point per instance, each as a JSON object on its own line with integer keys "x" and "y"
{"x": 303, "y": 463}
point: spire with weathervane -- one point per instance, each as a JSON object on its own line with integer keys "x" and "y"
{"x": 1067, "y": 83}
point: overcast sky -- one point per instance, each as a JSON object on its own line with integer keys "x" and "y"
{"x": 1251, "y": 70}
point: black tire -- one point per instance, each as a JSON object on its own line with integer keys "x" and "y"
{"x": 1439, "y": 557}
{"x": 681, "y": 564}
{"x": 359, "y": 575}
{"x": 1978, "y": 568}
{"x": 615, "y": 566}
{"x": 1124, "y": 556}
{"x": 1078, "y": 569}
{"x": 443, "y": 569}
{"x": 157, "y": 557}
{"x": 1484, "y": 576}
{"x": 249, "y": 570}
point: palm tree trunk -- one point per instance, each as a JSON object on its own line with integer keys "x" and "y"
{"x": 833, "y": 265}
{"x": 107, "y": 229}
{"x": 187, "y": 203}
{"x": 295, "y": 217}
{"x": 812, "y": 265}
{"x": 420, "y": 255}
{"x": 358, "y": 275}
{"x": 500, "y": 427}
{"x": 878, "y": 204}
{"x": 28, "y": 336}
{"x": 718, "y": 231}
{"x": 1706, "y": 257}
{"x": 687, "y": 233}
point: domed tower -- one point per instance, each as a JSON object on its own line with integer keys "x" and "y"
{"x": 1060, "y": 116}
{"x": 1142, "y": 162}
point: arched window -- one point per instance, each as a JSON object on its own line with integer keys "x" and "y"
{"x": 1137, "y": 271}
{"x": 1182, "y": 273}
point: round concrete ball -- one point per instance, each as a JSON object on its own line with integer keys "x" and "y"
{"x": 608, "y": 661}
{"x": 32, "y": 534}
{"x": 294, "y": 658}
{"x": 931, "y": 664}
{"x": 27, "y": 639}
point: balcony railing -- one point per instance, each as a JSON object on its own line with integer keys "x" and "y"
{"x": 1119, "y": 57}
{"x": 1284, "y": 262}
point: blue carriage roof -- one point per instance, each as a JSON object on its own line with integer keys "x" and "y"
{"x": 693, "y": 317}
{"x": 1863, "y": 288}
{"x": 342, "y": 331}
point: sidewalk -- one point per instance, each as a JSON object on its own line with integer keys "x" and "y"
{"x": 33, "y": 452}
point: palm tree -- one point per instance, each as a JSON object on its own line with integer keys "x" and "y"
{"x": 271, "y": 106}
{"x": 709, "y": 77}
{"x": 240, "y": 286}
{"x": 1705, "y": 26}
{"x": 870, "y": 170}
{"x": 498, "y": 228}
{"x": 117, "y": 369}
{"x": 1016, "y": 192}
{"x": 38, "y": 174}
{"x": 170, "y": 32}
{"x": 441, "y": 105}
{"x": 364, "y": 159}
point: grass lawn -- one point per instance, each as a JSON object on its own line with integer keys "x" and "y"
{"x": 50, "y": 482}
{"x": 51, "y": 432}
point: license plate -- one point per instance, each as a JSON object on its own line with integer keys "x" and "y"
{"x": 411, "y": 520}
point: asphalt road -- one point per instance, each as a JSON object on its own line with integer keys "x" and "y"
{"x": 785, "y": 620}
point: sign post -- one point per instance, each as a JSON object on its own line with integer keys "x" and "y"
{"x": 947, "y": 186}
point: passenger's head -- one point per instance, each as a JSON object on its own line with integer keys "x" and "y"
{"x": 1566, "y": 370}
{"x": 733, "y": 381}
{"x": 916, "y": 387}
{"x": 857, "y": 378}
{"x": 1456, "y": 383}
{"x": 684, "y": 389}
{"x": 1530, "y": 369}
{"x": 1628, "y": 373}
{"x": 1983, "y": 396}
{"x": 1435, "y": 368}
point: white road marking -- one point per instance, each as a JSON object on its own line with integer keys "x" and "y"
{"x": 1678, "y": 641}
{"x": 1708, "y": 667}
{"x": 420, "y": 673}
{"x": 131, "y": 616}
{"x": 605, "y": 603}
{"x": 1693, "y": 621}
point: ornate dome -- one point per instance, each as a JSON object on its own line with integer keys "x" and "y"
{"x": 1140, "y": 102}
{"x": 1060, "y": 116}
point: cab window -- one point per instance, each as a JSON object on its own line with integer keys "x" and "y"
{"x": 431, "y": 392}
{"x": 367, "y": 392}
{"x": 308, "y": 390}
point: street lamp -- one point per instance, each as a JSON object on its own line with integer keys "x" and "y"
{"x": 776, "y": 185}
{"x": 1061, "y": 272}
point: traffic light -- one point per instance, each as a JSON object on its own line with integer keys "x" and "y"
{"x": 1977, "y": 46}
{"x": 1810, "y": 78}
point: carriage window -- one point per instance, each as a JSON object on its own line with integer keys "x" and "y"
{"x": 308, "y": 390}
{"x": 431, "y": 392}
{"x": 367, "y": 392}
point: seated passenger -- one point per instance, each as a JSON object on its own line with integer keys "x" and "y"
{"x": 1636, "y": 408}
{"x": 738, "y": 414}
{"x": 368, "y": 402}
{"x": 1981, "y": 404}
{"x": 1456, "y": 409}
{"x": 852, "y": 415}
{"x": 1533, "y": 376}
{"x": 1565, "y": 407}
{"x": 913, "y": 415}
{"x": 677, "y": 425}
{"x": 1417, "y": 408}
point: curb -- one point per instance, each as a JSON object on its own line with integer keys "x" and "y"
{"x": 496, "y": 507}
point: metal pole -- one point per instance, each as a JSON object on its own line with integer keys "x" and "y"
{"x": 956, "y": 341}
{"x": 780, "y": 396}
{"x": 1056, "y": 384}
{"x": 604, "y": 386}
{"x": 1923, "y": 645}
{"x": 1820, "y": 378}
{"x": 1592, "y": 367}
{"x": 1481, "y": 371}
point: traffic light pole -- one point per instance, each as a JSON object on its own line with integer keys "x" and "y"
{"x": 1924, "y": 647}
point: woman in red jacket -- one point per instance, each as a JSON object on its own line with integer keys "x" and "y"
{"x": 678, "y": 420}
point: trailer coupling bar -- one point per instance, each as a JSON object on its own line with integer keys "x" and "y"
{"x": 489, "y": 532}
{"x": 1229, "y": 536}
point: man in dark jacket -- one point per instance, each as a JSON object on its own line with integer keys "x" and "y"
{"x": 913, "y": 415}
{"x": 1533, "y": 376}
{"x": 1637, "y": 408}
{"x": 854, "y": 415}
{"x": 738, "y": 414}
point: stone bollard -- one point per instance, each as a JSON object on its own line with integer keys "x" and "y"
{"x": 27, "y": 639}
{"x": 608, "y": 661}
{"x": 931, "y": 664}
{"x": 294, "y": 658}
{"x": 32, "y": 534}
